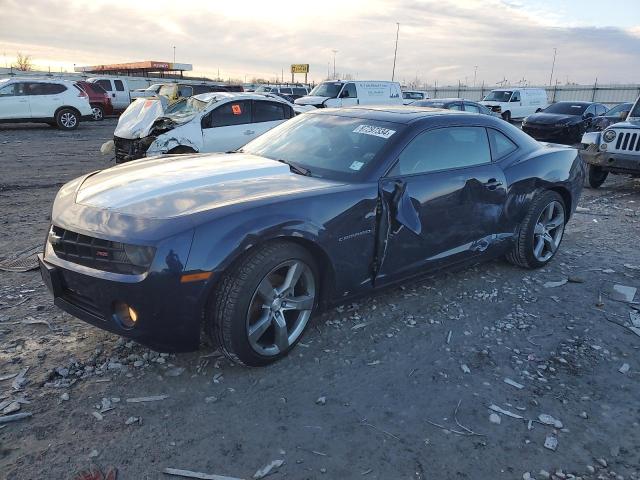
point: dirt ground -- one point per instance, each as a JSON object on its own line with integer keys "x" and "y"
{"x": 396, "y": 386}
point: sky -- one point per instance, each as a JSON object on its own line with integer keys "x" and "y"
{"x": 440, "y": 41}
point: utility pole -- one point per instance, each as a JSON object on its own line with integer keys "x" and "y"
{"x": 395, "y": 53}
{"x": 174, "y": 54}
{"x": 553, "y": 65}
{"x": 334, "y": 63}
{"x": 475, "y": 74}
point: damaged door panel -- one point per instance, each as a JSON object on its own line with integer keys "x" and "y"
{"x": 429, "y": 220}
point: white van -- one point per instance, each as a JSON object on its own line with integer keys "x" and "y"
{"x": 118, "y": 89}
{"x": 347, "y": 94}
{"x": 516, "y": 102}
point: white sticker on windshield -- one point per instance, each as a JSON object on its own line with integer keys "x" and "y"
{"x": 356, "y": 165}
{"x": 375, "y": 131}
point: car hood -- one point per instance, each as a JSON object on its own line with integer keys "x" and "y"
{"x": 310, "y": 100}
{"x": 552, "y": 118}
{"x": 137, "y": 119}
{"x": 630, "y": 124}
{"x": 166, "y": 187}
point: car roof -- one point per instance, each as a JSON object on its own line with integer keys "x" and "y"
{"x": 400, "y": 114}
{"x": 445, "y": 100}
{"x": 39, "y": 80}
{"x": 576, "y": 103}
{"x": 220, "y": 96}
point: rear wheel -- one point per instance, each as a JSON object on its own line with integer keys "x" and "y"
{"x": 596, "y": 176}
{"x": 540, "y": 232}
{"x": 67, "y": 119}
{"x": 506, "y": 116}
{"x": 261, "y": 308}
{"x": 97, "y": 113}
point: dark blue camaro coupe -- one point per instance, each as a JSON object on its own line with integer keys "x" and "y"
{"x": 246, "y": 246}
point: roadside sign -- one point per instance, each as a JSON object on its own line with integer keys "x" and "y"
{"x": 300, "y": 68}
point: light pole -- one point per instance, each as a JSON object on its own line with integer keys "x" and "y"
{"x": 395, "y": 53}
{"x": 174, "y": 54}
{"x": 553, "y": 65}
{"x": 475, "y": 74}
{"x": 334, "y": 63}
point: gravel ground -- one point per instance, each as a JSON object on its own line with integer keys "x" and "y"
{"x": 396, "y": 386}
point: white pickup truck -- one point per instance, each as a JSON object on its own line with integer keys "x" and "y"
{"x": 614, "y": 150}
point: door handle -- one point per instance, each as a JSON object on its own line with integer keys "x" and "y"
{"x": 113, "y": 95}
{"x": 249, "y": 132}
{"x": 492, "y": 184}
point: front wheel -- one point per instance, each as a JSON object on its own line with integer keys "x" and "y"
{"x": 596, "y": 176}
{"x": 263, "y": 305}
{"x": 67, "y": 119}
{"x": 540, "y": 232}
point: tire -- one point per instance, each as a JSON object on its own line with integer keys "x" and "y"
{"x": 538, "y": 110}
{"x": 251, "y": 315}
{"x": 533, "y": 228}
{"x": 67, "y": 119}
{"x": 97, "y": 113}
{"x": 596, "y": 176}
{"x": 506, "y": 116}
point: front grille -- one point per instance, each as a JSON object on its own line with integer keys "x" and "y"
{"x": 128, "y": 149}
{"x": 92, "y": 252}
{"x": 628, "y": 142}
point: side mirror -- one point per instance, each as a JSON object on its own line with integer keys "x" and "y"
{"x": 623, "y": 115}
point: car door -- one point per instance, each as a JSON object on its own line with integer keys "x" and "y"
{"x": 515, "y": 105}
{"x": 121, "y": 97}
{"x": 441, "y": 203}
{"x": 44, "y": 98}
{"x": 349, "y": 95}
{"x": 227, "y": 127}
{"x": 14, "y": 102}
{"x": 266, "y": 115}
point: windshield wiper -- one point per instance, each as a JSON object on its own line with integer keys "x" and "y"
{"x": 297, "y": 168}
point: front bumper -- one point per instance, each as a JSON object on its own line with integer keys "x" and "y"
{"x": 565, "y": 134}
{"x": 131, "y": 149}
{"x": 612, "y": 162}
{"x": 169, "y": 312}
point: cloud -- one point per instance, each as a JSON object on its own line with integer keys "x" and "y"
{"x": 439, "y": 41}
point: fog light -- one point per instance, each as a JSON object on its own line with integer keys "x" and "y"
{"x": 603, "y": 146}
{"x": 125, "y": 315}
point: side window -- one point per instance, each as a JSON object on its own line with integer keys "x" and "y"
{"x": 590, "y": 111}
{"x": 470, "y": 107}
{"x": 232, "y": 113}
{"x": 106, "y": 84}
{"x": 269, "y": 111}
{"x": 601, "y": 109}
{"x": 501, "y": 146}
{"x": 55, "y": 88}
{"x": 454, "y": 106}
{"x": 443, "y": 149}
{"x": 286, "y": 91}
{"x": 299, "y": 91}
{"x": 185, "y": 91}
{"x": 198, "y": 89}
{"x": 350, "y": 91}
{"x": 119, "y": 85}
{"x": 8, "y": 90}
{"x": 515, "y": 97}
{"x": 34, "y": 88}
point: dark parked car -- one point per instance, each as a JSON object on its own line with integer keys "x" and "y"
{"x": 455, "y": 104}
{"x": 329, "y": 205}
{"x": 563, "y": 122}
{"x": 98, "y": 99}
{"x": 617, "y": 114}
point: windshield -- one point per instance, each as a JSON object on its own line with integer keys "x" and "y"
{"x": 263, "y": 88}
{"x": 329, "y": 146}
{"x": 498, "y": 96}
{"x": 635, "y": 111}
{"x": 566, "y": 108}
{"x": 327, "y": 89}
{"x": 167, "y": 90}
{"x": 618, "y": 109}
{"x": 186, "y": 107}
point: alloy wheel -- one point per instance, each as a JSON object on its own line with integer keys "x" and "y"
{"x": 96, "y": 112}
{"x": 548, "y": 231}
{"x": 281, "y": 307}
{"x": 68, "y": 120}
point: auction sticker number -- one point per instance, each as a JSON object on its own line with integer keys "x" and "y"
{"x": 375, "y": 131}
{"x": 236, "y": 109}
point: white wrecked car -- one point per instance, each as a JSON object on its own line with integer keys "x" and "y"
{"x": 210, "y": 122}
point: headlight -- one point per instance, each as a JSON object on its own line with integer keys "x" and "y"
{"x": 139, "y": 255}
{"x": 609, "y": 135}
